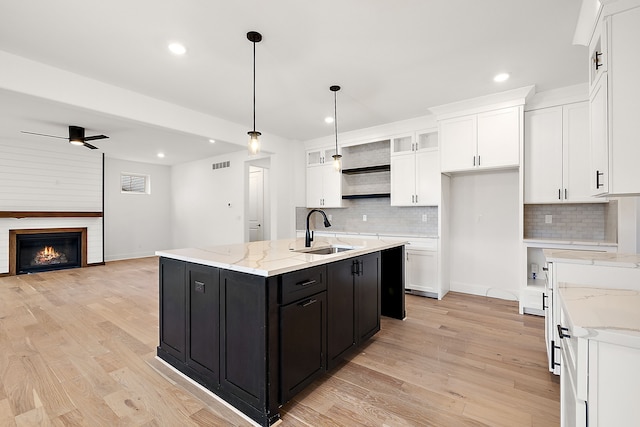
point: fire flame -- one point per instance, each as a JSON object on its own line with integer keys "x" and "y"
{"x": 48, "y": 255}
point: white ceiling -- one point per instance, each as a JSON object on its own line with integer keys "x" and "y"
{"x": 393, "y": 59}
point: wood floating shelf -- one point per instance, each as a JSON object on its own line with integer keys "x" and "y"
{"x": 49, "y": 214}
{"x": 367, "y": 169}
{"x": 366, "y": 196}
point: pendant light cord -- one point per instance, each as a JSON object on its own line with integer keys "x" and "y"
{"x": 254, "y": 86}
{"x": 335, "y": 116}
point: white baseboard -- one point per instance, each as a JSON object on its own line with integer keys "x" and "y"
{"x": 485, "y": 291}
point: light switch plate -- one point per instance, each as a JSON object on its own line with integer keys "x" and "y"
{"x": 548, "y": 219}
{"x": 364, "y": 217}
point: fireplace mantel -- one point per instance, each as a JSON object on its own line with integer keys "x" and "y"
{"x": 49, "y": 214}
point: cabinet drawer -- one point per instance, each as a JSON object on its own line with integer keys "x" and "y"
{"x": 303, "y": 283}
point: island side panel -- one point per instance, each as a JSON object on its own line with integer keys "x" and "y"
{"x": 244, "y": 341}
{"x": 203, "y": 323}
{"x": 392, "y": 283}
{"x": 173, "y": 307}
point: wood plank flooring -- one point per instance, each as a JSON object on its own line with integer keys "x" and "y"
{"x": 77, "y": 348}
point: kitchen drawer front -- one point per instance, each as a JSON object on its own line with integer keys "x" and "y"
{"x": 302, "y": 283}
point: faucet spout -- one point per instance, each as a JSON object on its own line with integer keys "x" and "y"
{"x": 308, "y": 235}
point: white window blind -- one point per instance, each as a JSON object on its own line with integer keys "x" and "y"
{"x": 133, "y": 183}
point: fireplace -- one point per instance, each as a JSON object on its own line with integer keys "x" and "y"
{"x": 33, "y": 251}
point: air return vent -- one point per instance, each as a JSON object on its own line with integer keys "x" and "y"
{"x": 221, "y": 165}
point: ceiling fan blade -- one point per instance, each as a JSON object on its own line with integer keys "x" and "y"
{"x": 93, "y": 147}
{"x": 92, "y": 138}
{"x": 42, "y": 134}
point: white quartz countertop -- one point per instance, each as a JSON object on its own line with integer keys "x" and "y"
{"x": 613, "y": 259}
{"x": 273, "y": 257}
{"x": 609, "y": 315}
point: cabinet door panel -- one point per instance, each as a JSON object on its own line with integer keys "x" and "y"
{"x": 368, "y": 290}
{"x": 173, "y": 297}
{"x": 458, "y": 138}
{"x": 499, "y": 138}
{"x": 421, "y": 270}
{"x": 314, "y": 186}
{"x": 303, "y": 343}
{"x": 243, "y": 336}
{"x": 624, "y": 87}
{"x": 543, "y": 156}
{"x": 403, "y": 180}
{"x": 331, "y": 187}
{"x": 599, "y": 139}
{"x": 427, "y": 178}
{"x": 204, "y": 320}
{"x": 341, "y": 310}
{"x": 576, "y": 152}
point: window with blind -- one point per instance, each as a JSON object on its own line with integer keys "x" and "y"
{"x": 134, "y": 183}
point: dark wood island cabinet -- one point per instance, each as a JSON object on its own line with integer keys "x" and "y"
{"x": 255, "y": 340}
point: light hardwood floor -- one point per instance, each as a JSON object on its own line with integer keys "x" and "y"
{"x": 77, "y": 348}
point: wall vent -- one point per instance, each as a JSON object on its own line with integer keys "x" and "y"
{"x": 221, "y": 165}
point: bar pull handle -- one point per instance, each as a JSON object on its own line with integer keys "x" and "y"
{"x": 565, "y": 194}
{"x": 559, "y": 197}
{"x": 561, "y": 333}
{"x": 308, "y": 302}
{"x": 478, "y": 160}
{"x": 598, "y": 174}
{"x": 306, "y": 283}
{"x": 596, "y": 59}
{"x": 544, "y": 307}
{"x": 474, "y": 160}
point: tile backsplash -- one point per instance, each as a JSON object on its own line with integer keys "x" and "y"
{"x": 381, "y": 218}
{"x": 579, "y": 221}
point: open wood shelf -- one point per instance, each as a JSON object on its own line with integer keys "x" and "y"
{"x": 367, "y": 169}
{"x": 366, "y": 196}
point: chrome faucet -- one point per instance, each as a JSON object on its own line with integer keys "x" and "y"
{"x": 308, "y": 236}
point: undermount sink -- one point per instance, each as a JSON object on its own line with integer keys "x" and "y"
{"x": 327, "y": 250}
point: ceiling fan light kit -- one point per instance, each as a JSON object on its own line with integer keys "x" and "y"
{"x": 76, "y": 137}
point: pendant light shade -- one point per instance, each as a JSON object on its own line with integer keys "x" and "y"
{"x": 254, "y": 136}
{"x": 336, "y": 157}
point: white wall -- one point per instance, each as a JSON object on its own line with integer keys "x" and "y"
{"x": 209, "y": 206}
{"x": 136, "y": 225}
{"x": 485, "y": 245}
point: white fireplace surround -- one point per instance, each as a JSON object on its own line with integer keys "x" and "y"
{"x": 92, "y": 224}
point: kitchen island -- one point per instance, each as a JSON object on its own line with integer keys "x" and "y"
{"x": 255, "y": 323}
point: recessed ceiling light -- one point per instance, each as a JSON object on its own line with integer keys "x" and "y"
{"x": 328, "y": 119}
{"x": 213, "y": 141}
{"x": 161, "y": 155}
{"x": 501, "y": 77}
{"x": 177, "y": 48}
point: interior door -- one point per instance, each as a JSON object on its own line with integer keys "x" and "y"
{"x": 256, "y": 204}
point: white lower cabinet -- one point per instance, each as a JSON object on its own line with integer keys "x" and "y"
{"x": 600, "y": 378}
{"x": 421, "y": 271}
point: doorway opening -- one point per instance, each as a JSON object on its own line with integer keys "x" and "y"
{"x": 258, "y": 207}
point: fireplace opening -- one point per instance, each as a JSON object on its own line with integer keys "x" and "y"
{"x": 48, "y": 251}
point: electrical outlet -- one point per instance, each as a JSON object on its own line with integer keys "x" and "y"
{"x": 548, "y": 219}
{"x": 329, "y": 217}
{"x": 424, "y": 217}
{"x": 364, "y": 217}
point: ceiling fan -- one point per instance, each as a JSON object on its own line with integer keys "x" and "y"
{"x": 76, "y": 137}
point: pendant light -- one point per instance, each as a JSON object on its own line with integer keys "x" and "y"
{"x": 254, "y": 141}
{"x": 336, "y": 157}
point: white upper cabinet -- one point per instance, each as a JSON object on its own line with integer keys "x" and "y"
{"x": 415, "y": 172}
{"x": 488, "y": 140}
{"x": 324, "y": 182}
{"x": 614, "y": 110}
{"x": 556, "y": 155}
